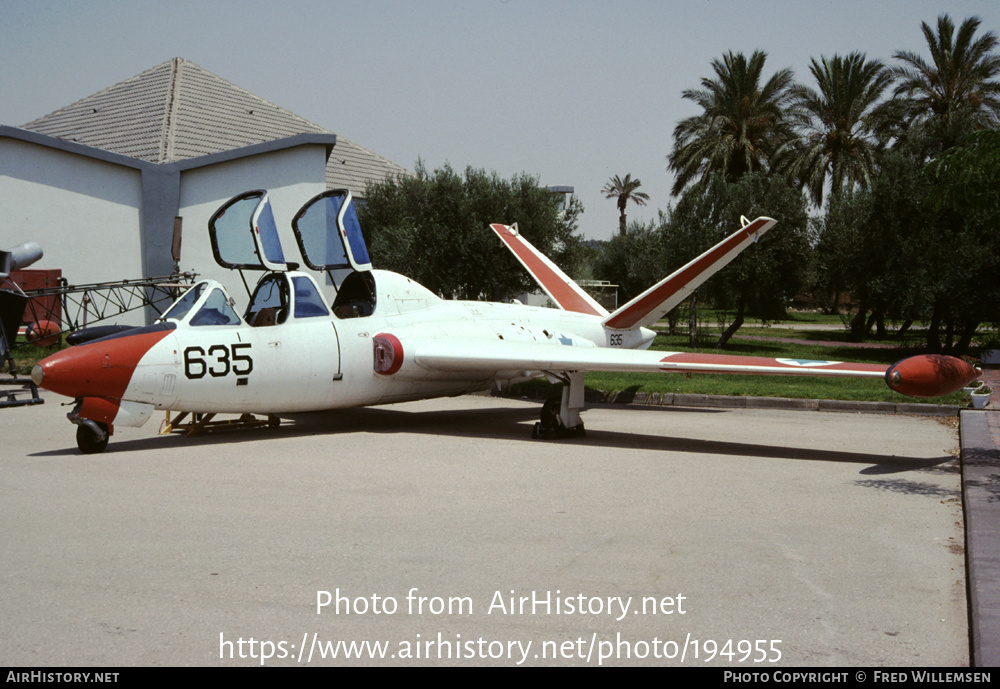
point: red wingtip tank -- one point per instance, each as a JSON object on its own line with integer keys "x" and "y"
{"x": 930, "y": 375}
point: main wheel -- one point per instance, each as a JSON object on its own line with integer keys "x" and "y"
{"x": 87, "y": 440}
{"x": 550, "y": 425}
{"x": 550, "y": 414}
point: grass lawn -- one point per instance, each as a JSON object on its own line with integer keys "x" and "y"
{"x": 26, "y": 356}
{"x": 708, "y": 316}
{"x": 804, "y": 332}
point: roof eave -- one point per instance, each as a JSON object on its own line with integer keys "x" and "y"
{"x": 306, "y": 139}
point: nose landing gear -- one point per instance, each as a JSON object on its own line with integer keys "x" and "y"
{"x": 91, "y": 436}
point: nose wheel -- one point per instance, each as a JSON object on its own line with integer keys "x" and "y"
{"x": 91, "y": 436}
{"x": 90, "y": 441}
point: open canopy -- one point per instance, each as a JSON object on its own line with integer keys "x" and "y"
{"x": 244, "y": 234}
{"x": 329, "y": 234}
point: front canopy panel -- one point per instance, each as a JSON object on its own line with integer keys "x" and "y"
{"x": 244, "y": 234}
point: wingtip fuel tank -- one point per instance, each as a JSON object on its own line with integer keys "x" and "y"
{"x": 930, "y": 375}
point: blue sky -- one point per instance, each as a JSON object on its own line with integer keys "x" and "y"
{"x": 571, "y": 92}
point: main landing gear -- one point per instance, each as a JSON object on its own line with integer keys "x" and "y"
{"x": 561, "y": 416}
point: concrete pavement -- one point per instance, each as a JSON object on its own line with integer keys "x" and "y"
{"x": 667, "y": 536}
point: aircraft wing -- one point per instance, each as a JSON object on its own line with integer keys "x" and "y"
{"x": 926, "y": 375}
{"x": 499, "y": 355}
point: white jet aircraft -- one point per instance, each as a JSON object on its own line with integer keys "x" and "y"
{"x": 387, "y": 339}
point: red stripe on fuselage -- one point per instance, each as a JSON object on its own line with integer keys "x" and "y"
{"x": 102, "y": 368}
{"x": 636, "y": 312}
{"x": 564, "y": 295}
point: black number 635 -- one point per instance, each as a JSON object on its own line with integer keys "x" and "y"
{"x": 218, "y": 361}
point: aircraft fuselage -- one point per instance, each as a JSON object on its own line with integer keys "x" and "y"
{"x": 310, "y": 362}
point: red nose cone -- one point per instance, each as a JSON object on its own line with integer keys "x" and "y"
{"x": 930, "y": 375}
{"x": 102, "y": 368}
{"x": 74, "y": 372}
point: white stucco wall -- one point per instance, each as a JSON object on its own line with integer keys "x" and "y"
{"x": 83, "y": 212}
{"x": 284, "y": 174}
{"x": 86, "y": 213}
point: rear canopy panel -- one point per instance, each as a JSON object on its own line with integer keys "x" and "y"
{"x": 329, "y": 234}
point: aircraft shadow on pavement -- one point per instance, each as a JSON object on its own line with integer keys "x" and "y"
{"x": 509, "y": 424}
{"x": 908, "y": 487}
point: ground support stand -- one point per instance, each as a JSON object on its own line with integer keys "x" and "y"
{"x": 206, "y": 423}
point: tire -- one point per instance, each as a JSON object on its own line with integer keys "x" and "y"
{"x": 87, "y": 441}
{"x": 550, "y": 414}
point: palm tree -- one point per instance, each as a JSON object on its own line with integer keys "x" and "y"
{"x": 943, "y": 101}
{"x": 842, "y": 125}
{"x": 624, "y": 190}
{"x": 743, "y": 124}
{"x": 957, "y": 92}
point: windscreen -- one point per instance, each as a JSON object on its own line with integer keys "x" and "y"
{"x": 184, "y": 304}
{"x": 216, "y": 311}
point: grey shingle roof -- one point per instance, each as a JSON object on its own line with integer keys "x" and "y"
{"x": 174, "y": 111}
{"x": 177, "y": 110}
{"x": 351, "y": 166}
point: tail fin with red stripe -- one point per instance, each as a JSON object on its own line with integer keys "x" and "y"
{"x": 559, "y": 286}
{"x": 651, "y": 305}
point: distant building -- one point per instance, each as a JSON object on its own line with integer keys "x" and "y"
{"x": 105, "y": 184}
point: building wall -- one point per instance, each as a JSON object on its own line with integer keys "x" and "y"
{"x": 84, "y": 213}
{"x": 285, "y": 174}
{"x": 89, "y": 216}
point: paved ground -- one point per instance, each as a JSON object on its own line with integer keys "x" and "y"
{"x": 838, "y": 537}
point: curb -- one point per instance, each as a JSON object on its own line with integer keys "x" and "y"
{"x": 980, "y": 484}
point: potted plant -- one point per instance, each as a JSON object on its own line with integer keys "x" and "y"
{"x": 972, "y": 387}
{"x": 981, "y": 396}
{"x": 989, "y": 350}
